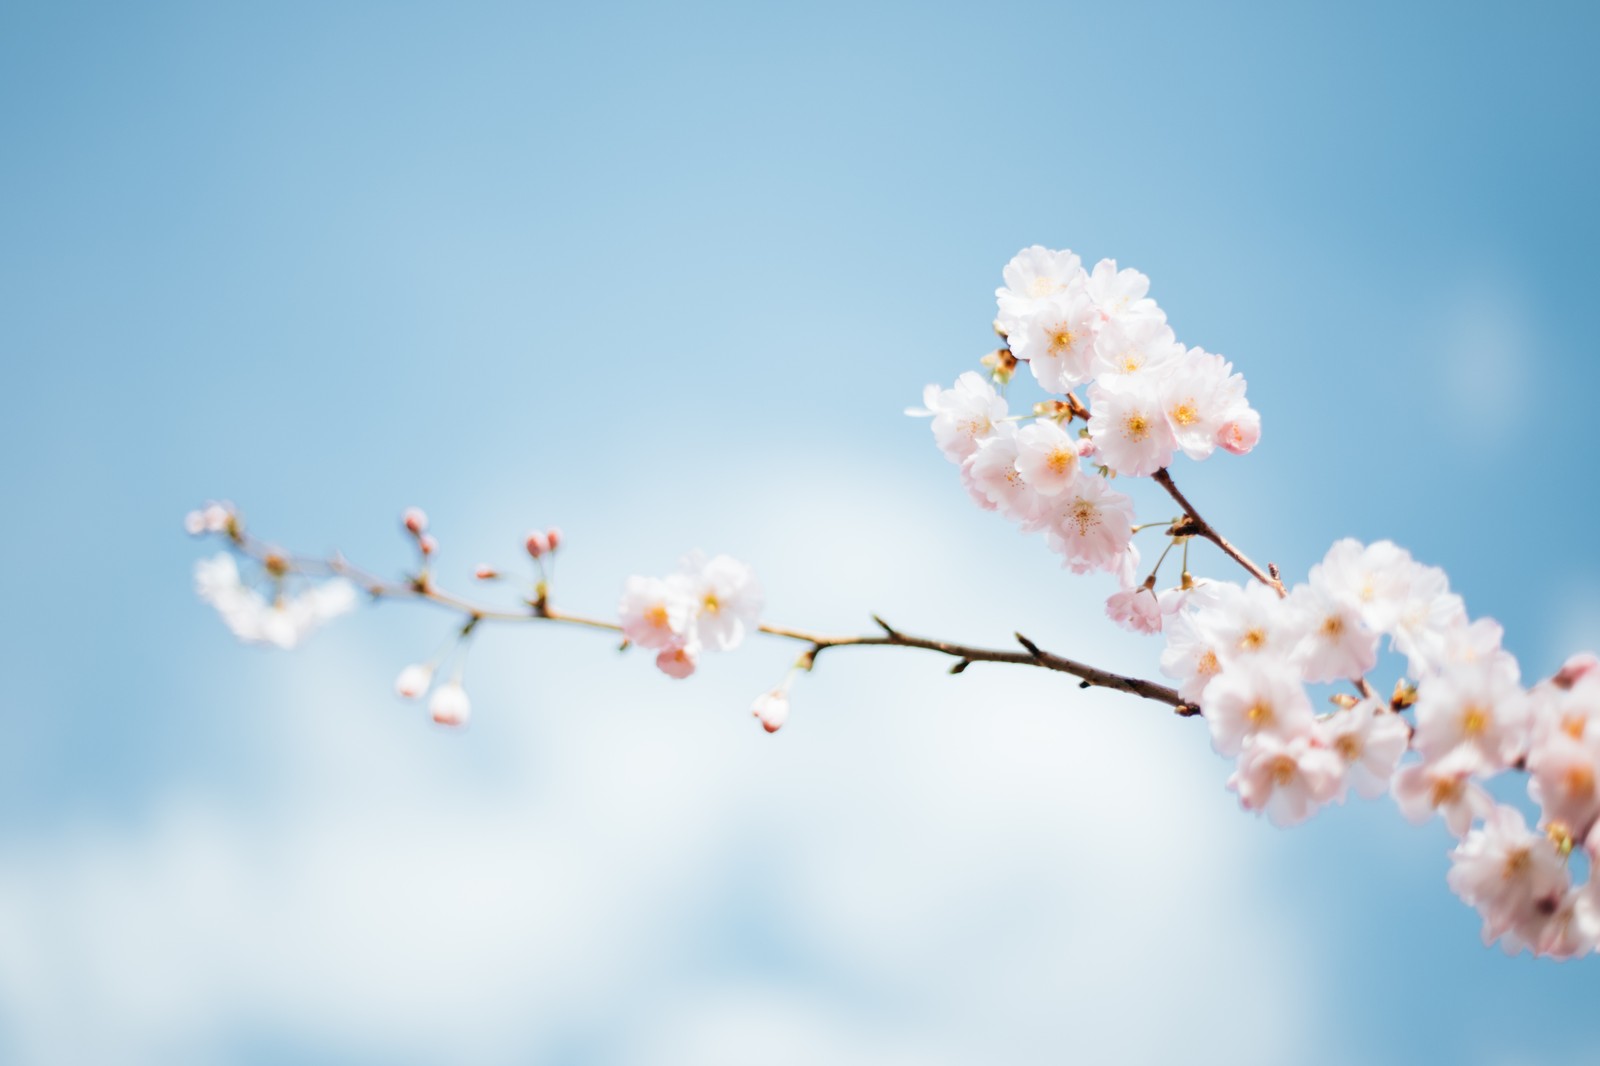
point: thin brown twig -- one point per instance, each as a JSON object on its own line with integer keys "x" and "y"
{"x": 422, "y": 587}
{"x": 1199, "y": 527}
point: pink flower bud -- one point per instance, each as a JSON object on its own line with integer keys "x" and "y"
{"x": 485, "y": 572}
{"x": 427, "y": 543}
{"x": 450, "y": 705}
{"x": 553, "y": 535}
{"x": 1577, "y": 666}
{"x": 1240, "y": 435}
{"x": 413, "y": 681}
{"x": 537, "y": 543}
{"x": 416, "y": 521}
{"x": 1086, "y": 448}
{"x": 677, "y": 661}
{"x": 772, "y": 708}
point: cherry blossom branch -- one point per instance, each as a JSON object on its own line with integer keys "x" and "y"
{"x": 1196, "y": 526}
{"x": 422, "y": 587}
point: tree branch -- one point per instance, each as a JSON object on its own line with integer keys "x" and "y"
{"x": 422, "y": 587}
{"x": 1199, "y": 527}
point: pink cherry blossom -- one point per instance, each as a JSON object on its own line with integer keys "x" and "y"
{"x": 1286, "y": 779}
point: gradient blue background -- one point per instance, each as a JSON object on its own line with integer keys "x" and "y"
{"x": 667, "y": 276}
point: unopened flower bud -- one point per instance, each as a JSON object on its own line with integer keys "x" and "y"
{"x": 677, "y": 661}
{"x": 1086, "y": 448}
{"x": 416, "y": 522}
{"x": 772, "y": 708}
{"x": 553, "y": 535}
{"x": 485, "y": 572}
{"x": 413, "y": 681}
{"x": 449, "y": 705}
{"x": 537, "y": 543}
{"x": 1576, "y": 666}
{"x": 428, "y": 543}
{"x": 194, "y": 523}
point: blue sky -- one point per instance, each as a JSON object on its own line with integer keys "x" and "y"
{"x": 666, "y": 277}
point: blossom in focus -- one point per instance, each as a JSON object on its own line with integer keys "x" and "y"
{"x": 1136, "y": 609}
{"x": 1121, "y": 294}
{"x": 1047, "y": 458}
{"x": 1092, "y": 526}
{"x": 993, "y": 471}
{"x": 1130, "y": 431}
{"x": 1141, "y": 345}
{"x": 1035, "y": 275}
{"x": 1057, "y": 340}
{"x": 963, "y": 415}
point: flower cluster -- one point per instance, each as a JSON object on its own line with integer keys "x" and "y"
{"x": 284, "y": 619}
{"x": 1149, "y": 397}
{"x": 707, "y": 604}
{"x": 1245, "y": 655}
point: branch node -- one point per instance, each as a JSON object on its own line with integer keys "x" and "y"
{"x": 1033, "y": 649}
{"x": 888, "y": 629}
{"x": 960, "y": 666}
{"x": 1085, "y": 684}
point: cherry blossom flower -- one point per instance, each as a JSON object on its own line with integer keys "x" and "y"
{"x": 1199, "y": 394}
{"x": 1092, "y": 525}
{"x": 284, "y": 621}
{"x": 1035, "y": 275}
{"x": 1128, "y": 427}
{"x": 1252, "y": 699}
{"x": 1472, "y": 705}
{"x": 1250, "y": 622}
{"x": 1445, "y": 786}
{"x": 1136, "y": 609}
{"x": 1047, "y": 457}
{"x": 726, "y": 599}
{"x": 1057, "y": 340}
{"x": 962, "y": 415}
{"x": 656, "y": 612}
{"x": 1373, "y": 578}
{"x": 1563, "y": 774}
{"x": 1241, "y": 432}
{"x": 1121, "y": 294}
{"x": 1334, "y": 644}
{"x": 1137, "y": 345}
{"x": 1370, "y": 739}
{"x": 1286, "y": 779}
{"x": 1190, "y": 657}
{"x": 1512, "y": 875}
{"x": 678, "y": 660}
{"x": 994, "y": 472}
